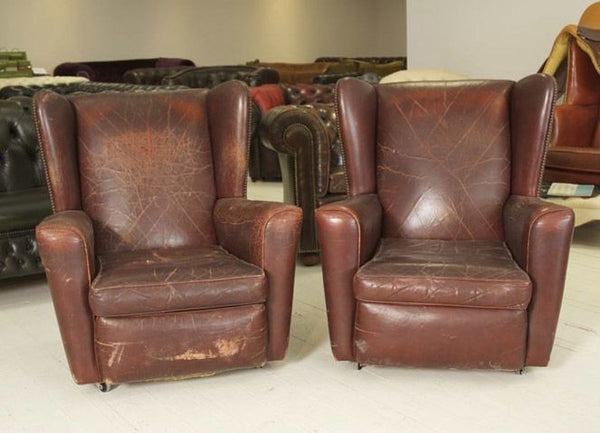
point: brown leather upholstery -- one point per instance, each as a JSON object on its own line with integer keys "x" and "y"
{"x": 303, "y": 132}
{"x": 574, "y": 154}
{"x": 264, "y": 164}
{"x": 150, "y": 273}
{"x": 442, "y": 255}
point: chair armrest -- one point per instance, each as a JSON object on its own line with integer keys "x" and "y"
{"x": 303, "y": 143}
{"x": 349, "y": 231}
{"x": 66, "y": 245}
{"x": 539, "y": 235}
{"x": 266, "y": 235}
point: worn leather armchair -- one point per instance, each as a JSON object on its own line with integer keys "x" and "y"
{"x": 574, "y": 153}
{"x": 443, "y": 255}
{"x": 158, "y": 266}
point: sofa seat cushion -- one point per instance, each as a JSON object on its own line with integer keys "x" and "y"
{"x": 583, "y": 159}
{"x": 480, "y": 274}
{"x": 167, "y": 280}
{"x": 23, "y": 209}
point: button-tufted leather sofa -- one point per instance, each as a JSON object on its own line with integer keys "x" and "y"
{"x": 158, "y": 265}
{"x": 443, "y": 255}
{"x": 306, "y": 140}
{"x": 209, "y": 76}
{"x": 264, "y": 164}
{"x": 112, "y": 71}
{"x": 24, "y": 200}
{"x": 151, "y": 76}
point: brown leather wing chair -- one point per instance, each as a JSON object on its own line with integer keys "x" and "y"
{"x": 158, "y": 266}
{"x": 443, "y": 255}
{"x": 574, "y": 153}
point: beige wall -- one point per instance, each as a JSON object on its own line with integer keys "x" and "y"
{"x": 486, "y": 39}
{"x": 206, "y": 31}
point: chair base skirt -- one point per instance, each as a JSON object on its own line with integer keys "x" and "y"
{"x": 430, "y": 336}
{"x": 181, "y": 344}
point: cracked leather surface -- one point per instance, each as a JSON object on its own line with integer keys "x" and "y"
{"x": 452, "y": 273}
{"x": 446, "y": 295}
{"x": 437, "y": 336}
{"x": 146, "y": 169}
{"x": 159, "y": 163}
{"x": 178, "y": 346}
{"x": 175, "y": 279}
{"x": 443, "y": 159}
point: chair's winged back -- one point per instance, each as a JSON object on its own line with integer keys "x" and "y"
{"x": 142, "y": 166}
{"x": 443, "y": 159}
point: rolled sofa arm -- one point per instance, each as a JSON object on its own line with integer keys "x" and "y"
{"x": 539, "y": 235}
{"x": 303, "y": 142}
{"x": 66, "y": 244}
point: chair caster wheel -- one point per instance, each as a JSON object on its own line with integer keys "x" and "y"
{"x": 359, "y": 366}
{"x": 104, "y": 387}
{"x": 520, "y": 371}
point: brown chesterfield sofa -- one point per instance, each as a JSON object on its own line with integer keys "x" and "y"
{"x": 298, "y": 141}
{"x": 303, "y": 134}
{"x": 264, "y": 164}
{"x": 158, "y": 265}
{"x": 443, "y": 255}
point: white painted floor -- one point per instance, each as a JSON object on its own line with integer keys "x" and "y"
{"x": 309, "y": 392}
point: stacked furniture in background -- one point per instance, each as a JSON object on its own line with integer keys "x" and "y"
{"x": 443, "y": 255}
{"x": 327, "y": 70}
{"x": 381, "y": 66}
{"x": 24, "y": 195}
{"x": 158, "y": 265}
{"x": 112, "y": 71}
{"x": 151, "y": 76}
{"x": 209, "y": 76}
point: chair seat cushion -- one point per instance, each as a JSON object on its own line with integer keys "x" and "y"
{"x": 582, "y": 159}
{"x": 178, "y": 279}
{"x": 479, "y": 274}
